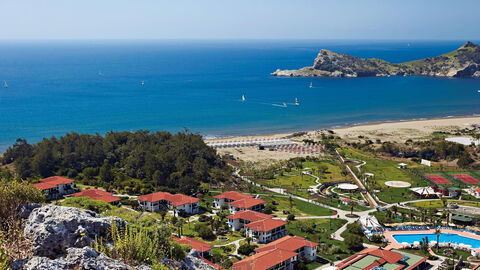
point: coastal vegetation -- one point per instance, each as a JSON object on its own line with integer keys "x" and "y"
{"x": 133, "y": 162}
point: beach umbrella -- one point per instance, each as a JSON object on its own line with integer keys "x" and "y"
{"x": 416, "y": 243}
{"x": 405, "y": 244}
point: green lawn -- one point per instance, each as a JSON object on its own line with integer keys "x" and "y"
{"x": 299, "y": 207}
{"x": 385, "y": 170}
{"x": 319, "y": 230}
{"x": 439, "y": 204}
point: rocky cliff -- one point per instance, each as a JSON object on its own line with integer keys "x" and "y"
{"x": 463, "y": 62}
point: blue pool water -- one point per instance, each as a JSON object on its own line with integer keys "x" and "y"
{"x": 55, "y": 87}
{"x": 444, "y": 237}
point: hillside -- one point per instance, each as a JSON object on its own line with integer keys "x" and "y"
{"x": 463, "y": 62}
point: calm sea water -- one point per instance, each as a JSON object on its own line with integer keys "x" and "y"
{"x": 95, "y": 86}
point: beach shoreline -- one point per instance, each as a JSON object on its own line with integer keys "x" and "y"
{"x": 422, "y": 124}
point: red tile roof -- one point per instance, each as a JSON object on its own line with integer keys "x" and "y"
{"x": 58, "y": 180}
{"x": 264, "y": 260}
{"x": 96, "y": 194}
{"x": 265, "y": 225}
{"x": 44, "y": 186}
{"x": 232, "y": 195}
{"x": 247, "y": 203}
{"x": 249, "y": 215}
{"x": 174, "y": 199}
{"x": 198, "y": 245}
{"x": 385, "y": 256}
{"x": 216, "y": 266}
{"x": 289, "y": 243}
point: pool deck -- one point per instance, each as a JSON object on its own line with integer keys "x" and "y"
{"x": 393, "y": 244}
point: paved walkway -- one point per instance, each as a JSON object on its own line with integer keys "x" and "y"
{"x": 236, "y": 243}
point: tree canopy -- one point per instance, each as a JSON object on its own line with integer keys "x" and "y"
{"x": 141, "y": 160}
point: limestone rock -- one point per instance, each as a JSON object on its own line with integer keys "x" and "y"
{"x": 193, "y": 261}
{"x": 53, "y": 229}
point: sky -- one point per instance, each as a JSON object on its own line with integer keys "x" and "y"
{"x": 240, "y": 19}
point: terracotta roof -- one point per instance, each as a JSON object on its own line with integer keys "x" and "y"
{"x": 289, "y": 243}
{"x": 97, "y": 194}
{"x": 216, "y": 266}
{"x": 44, "y": 186}
{"x": 174, "y": 199}
{"x": 232, "y": 195}
{"x": 247, "y": 203}
{"x": 58, "y": 180}
{"x": 265, "y": 225}
{"x": 264, "y": 260}
{"x": 250, "y": 215}
{"x": 198, "y": 245}
{"x": 384, "y": 256}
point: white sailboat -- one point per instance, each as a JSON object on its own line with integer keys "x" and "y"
{"x": 296, "y": 102}
{"x": 5, "y": 84}
{"x": 284, "y": 105}
{"x": 243, "y": 98}
{"x": 311, "y": 85}
{"x": 143, "y": 83}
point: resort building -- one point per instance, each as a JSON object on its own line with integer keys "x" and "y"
{"x": 304, "y": 248}
{"x": 247, "y": 204}
{"x": 227, "y": 197}
{"x": 238, "y": 202}
{"x": 378, "y": 258}
{"x": 238, "y": 220}
{"x": 55, "y": 187}
{"x": 203, "y": 249}
{"x": 269, "y": 259}
{"x": 267, "y": 230}
{"x": 157, "y": 201}
{"x": 97, "y": 194}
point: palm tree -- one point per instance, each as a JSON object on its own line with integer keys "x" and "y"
{"x": 438, "y": 232}
{"x": 248, "y": 239}
{"x": 352, "y": 205}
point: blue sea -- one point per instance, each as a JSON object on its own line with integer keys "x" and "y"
{"x": 55, "y": 87}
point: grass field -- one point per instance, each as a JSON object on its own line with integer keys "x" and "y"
{"x": 439, "y": 204}
{"x": 386, "y": 170}
{"x": 294, "y": 177}
{"x": 319, "y": 231}
{"x": 298, "y": 207}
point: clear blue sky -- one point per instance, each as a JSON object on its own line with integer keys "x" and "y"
{"x": 226, "y": 19}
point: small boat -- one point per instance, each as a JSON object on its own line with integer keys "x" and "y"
{"x": 243, "y": 98}
{"x": 100, "y": 74}
{"x": 296, "y": 102}
{"x": 284, "y": 105}
{"x": 311, "y": 85}
{"x": 5, "y": 84}
{"x": 142, "y": 83}
{"x": 478, "y": 91}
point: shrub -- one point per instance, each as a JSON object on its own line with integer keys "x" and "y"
{"x": 134, "y": 245}
{"x": 246, "y": 249}
{"x": 87, "y": 203}
{"x": 291, "y": 217}
{"x": 354, "y": 228}
{"x": 4, "y": 262}
{"x": 12, "y": 195}
{"x": 204, "y": 231}
{"x": 354, "y": 242}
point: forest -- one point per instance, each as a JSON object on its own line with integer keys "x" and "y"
{"x": 136, "y": 162}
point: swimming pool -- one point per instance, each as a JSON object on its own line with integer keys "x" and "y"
{"x": 444, "y": 237}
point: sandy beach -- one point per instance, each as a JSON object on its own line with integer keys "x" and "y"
{"x": 390, "y": 131}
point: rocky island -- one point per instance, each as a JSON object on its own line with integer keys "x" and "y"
{"x": 463, "y": 62}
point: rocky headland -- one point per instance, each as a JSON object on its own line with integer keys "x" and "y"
{"x": 463, "y": 62}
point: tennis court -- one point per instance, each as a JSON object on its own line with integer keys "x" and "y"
{"x": 467, "y": 179}
{"x": 437, "y": 179}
